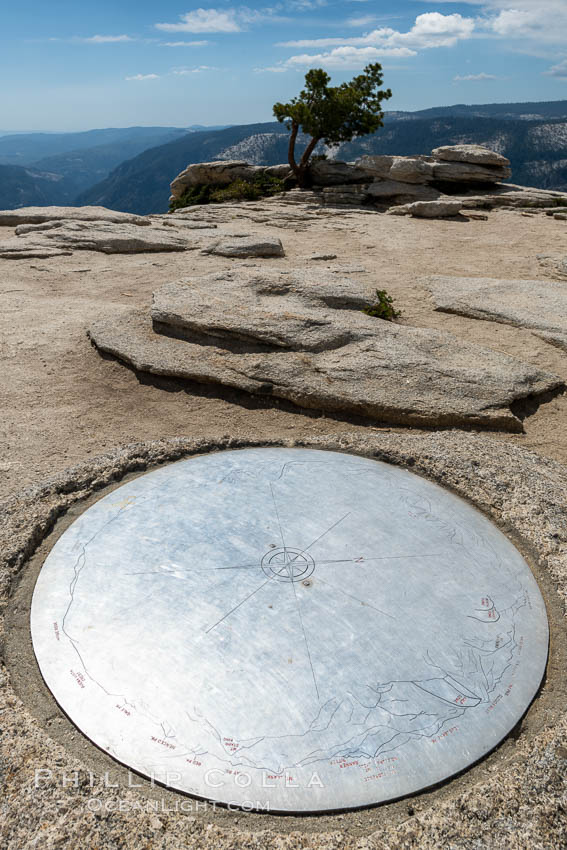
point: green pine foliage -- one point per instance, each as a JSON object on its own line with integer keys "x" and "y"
{"x": 332, "y": 114}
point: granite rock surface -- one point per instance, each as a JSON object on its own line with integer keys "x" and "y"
{"x": 395, "y": 190}
{"x": 473, "y": 154}
{"x": 37, "y": 215}
{"x": 302, "y": 337}
{"x": 246, "y": 245}
{"x": 405, "y": 169}
{"x": 450, "y": 164}
{"x": 445, "y": 208}
{"x": 332, "y": 172}
{"x": 297, "y": 312}
{"x": 466, "y": 172}
{"x": 222, "y": 173}
{"x": 534, "y": 304}
{"x": 17, "y": 249}
{"x": 104, "y": 236}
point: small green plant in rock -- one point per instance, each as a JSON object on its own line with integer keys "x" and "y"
{"x": 239, "y": 190}
{"x": 383, "y": 308}
{"x": 269, "y": 186}
{"x": 192, "y": 197}
{"x": 242, "y": 190}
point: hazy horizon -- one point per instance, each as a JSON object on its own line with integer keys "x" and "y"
{"x": 270, "y": 120}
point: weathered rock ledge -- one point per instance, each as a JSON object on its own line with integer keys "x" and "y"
{"x": 540, "y": 307}
{"x": 469, "y": 174}
{"x": 39, "y": 215}
{"x": 302, "y": 336}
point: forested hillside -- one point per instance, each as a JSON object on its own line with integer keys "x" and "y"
{"x": 23, "y": 187}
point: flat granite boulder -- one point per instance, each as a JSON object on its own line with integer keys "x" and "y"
{"x": 301, "y": 311}
{"x": 246, "y": 245}
{"x": 106, "y": 237}
{"x": 539, "y": 306}
{"x": 219, "y": 173}
{"x": 429, "y": 209}
{"x": 223, "y": 173}
{"x": 321, "y": 353}
{"x": 411, "y": 169}
{"x": 466, "y": 172}
{"x": 332, "y": 172}
{"x": 37, "y": 215}
{"x": 452, "y": 164}
{"x": 17, "y": 249}
{"x": 406, "y": 169}
{"x": 551, "y": 262}
{"x": 474, "y": 154}
{"x": 388, "y": 189}
{"x": 350, "y": 194}
{"x": 510, "y": 195}
{"x": 168, "y": 220}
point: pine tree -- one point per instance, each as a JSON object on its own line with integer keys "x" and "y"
{"x": 332, "y": 114}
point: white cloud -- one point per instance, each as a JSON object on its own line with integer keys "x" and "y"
{"x": 105, "y": 39}
{"x": 185, "y": 43}
{"x": 204, "y": 20}
{"x": 230, "y": 20}
{"x": 308, "y": 5}
{"x": 474, "y": 77}
{"x": 514, "y": 22}
{"x": 273, "y": 69}
{"x": 430, "y": 30}
{"x": 436, "y": 30}
{"x": 184, "y": 72}
{"x": 534, "y": 23}
{"x": 143, "y": 77}
{"x": 318, "y": 42}
{"x": 361, "y": 21}
{"x": 91, "y": 39}
{"x": 529, "y": 21}
{"x": 347, "y": 57}
{"x": 238, "y": 18}
{"x": 559, "y": 70}
{"x": 245, "y": 15}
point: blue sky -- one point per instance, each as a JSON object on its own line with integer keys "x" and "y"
{"x": 72, "y": 65}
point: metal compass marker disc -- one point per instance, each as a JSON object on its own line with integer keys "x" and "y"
{"x": 289, "y": 629}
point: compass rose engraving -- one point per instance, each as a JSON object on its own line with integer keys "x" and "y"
{"x": 286, "y": 564}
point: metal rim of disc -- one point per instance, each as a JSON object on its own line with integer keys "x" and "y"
{"x": 291, "y": 630}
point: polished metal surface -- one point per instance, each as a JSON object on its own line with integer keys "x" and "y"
{"x": 289, "y": 629}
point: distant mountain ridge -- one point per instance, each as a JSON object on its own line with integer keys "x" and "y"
{"x": 28, "y": 148}
{"x": 130, "y": 168}
{"x": 143, "y": 182}
{"x": 71, "y": 162}
{"x": 85, "y": 167}
{"x": 537, "y": 148}
{"x": 25, "y": 187}
{"x": 529, "y": 111}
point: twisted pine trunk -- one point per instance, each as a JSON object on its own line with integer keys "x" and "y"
{"x": 301, "y": 169}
